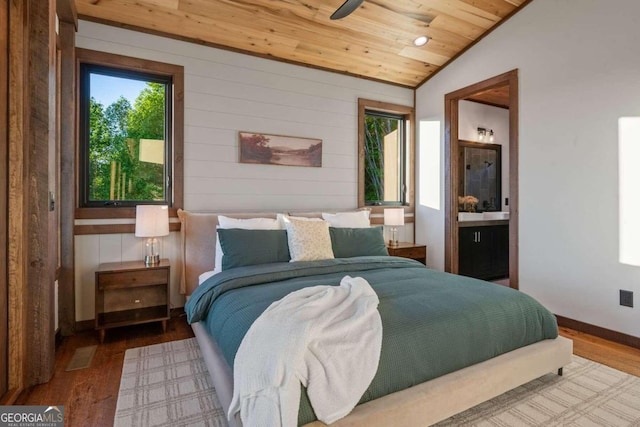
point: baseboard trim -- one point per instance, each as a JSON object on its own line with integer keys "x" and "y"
{"x": 599, "y": 332}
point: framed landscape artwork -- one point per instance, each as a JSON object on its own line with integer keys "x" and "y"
{"x": 280, "y": 150}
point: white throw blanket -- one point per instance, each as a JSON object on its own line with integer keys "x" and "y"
{"x": 326, "y": 337}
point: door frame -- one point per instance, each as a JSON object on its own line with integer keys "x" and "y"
{"x": 452, "y": 170}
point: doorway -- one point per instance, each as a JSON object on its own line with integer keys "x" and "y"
{"x": 507, "y": 84}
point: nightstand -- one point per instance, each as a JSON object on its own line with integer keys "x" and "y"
{"x": 409, "y": 250}
{"x": 130, "y": 293}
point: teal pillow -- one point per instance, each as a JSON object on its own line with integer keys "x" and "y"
{"x": 249, "y": 247}
{"x": 350, "y": 242}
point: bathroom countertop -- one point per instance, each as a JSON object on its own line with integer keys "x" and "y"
{"x": 483, "y": 223}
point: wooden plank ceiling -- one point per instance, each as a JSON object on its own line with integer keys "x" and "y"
{"x": 375, "y": 41}
{"x": 497, "y": 96}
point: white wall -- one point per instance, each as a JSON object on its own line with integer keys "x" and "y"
{"x": 578, "y": 74}
{"x": 471, "y": 116}
{"x": 226, "y": 92}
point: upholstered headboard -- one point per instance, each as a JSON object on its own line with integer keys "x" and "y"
{"x": 198, "y": 232}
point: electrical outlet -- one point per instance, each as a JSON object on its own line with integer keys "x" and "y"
{"x": 626, "y": 298}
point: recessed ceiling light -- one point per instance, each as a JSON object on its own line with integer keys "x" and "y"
{"x": 421, "y": 41}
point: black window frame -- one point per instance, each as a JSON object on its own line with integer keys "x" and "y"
{"x": 85, "y": 71}
{"x": 402, "y": 129}
{"x": 408, "y": 113}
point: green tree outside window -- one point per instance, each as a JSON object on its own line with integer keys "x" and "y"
{"x": 127, "y": 150}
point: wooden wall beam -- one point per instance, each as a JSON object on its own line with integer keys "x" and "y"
{"x": 40, "y": 358}
{"x": 18, "y": 122}
{"x": 66, "y": 198}
{"x": 85, "y": 229}
{"x": 4, "y": 124}
{"x": 67, "y": 12}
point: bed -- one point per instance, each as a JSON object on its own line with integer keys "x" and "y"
{"x": 423, "y": 400}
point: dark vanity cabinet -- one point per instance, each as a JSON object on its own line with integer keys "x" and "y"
{"x": 484, "y": 251}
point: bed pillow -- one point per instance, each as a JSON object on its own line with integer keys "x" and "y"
{"x": 351, "y": 242}
{"x": 356, "y": 219}
{"x": 308, "y": 240}
{"x": 282, "y": 218}
{"x": 245, "y": 224}
{"x": 250, "y": 247}
{"x": 204, "y": 276}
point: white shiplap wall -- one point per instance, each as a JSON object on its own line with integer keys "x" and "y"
{"x": 226, "y": 92}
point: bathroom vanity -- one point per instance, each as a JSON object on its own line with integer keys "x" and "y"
{"x": 483, "y": 235}
{"x": 484, "y": 249}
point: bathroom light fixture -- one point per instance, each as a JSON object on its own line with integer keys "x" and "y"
{"x": 482, "y": 133}
{"x": 421, "y": 41}
{"x": 485, "y": 134}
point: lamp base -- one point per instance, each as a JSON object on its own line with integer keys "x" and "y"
{"x": 394, "y": 237}
{"x": 151, "y": 260}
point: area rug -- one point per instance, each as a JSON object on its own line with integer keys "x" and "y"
{"x": 168, "y": 385}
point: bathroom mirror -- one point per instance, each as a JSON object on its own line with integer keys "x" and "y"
{"x": 480, "y": 175}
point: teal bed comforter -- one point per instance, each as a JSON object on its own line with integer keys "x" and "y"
{"x": 433, "y": 323}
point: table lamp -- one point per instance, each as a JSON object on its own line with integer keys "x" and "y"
{"x": 393, "y": 218}
{"x": 152, "y": 221}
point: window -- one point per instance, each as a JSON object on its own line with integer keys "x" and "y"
{"x": 130, "y": 131}
{"x": 386, "y": 154}
{"x": 384, "y": 159}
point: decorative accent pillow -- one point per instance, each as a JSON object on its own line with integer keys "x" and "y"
{"x": 356, "y": 219}
{"x": 308, "y": 240}
{"x": 244, "y": 224}
{"x": 251, "y": 247}
{"x": 351, "y": 242}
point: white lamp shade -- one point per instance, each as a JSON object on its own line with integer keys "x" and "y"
{"x": 152, "y": 220}
{"x": 394, "y": 217}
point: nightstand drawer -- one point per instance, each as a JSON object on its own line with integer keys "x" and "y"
{"x": 413, "y": 253}
{"x": 129, "y": 299}
{"x": 409, "y": 250}
{"x": 129, "y": 279}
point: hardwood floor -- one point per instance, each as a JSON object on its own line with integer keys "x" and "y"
{"x": 618, "y": 356}
{"x": 89, "y": 395}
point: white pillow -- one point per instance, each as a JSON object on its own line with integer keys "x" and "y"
{"x": 204, "y": 276}
{"x": 245, "y": 224}
{"x": 308, "y": 240}
{"x": 282, "y": 217}
{"x": 356, "y": 219}
{"x": 249, "y": 223}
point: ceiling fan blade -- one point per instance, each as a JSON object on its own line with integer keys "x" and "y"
{"x": 346, "y": 8}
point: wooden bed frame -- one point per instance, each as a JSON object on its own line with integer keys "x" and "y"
{"x": 424, "y": 404}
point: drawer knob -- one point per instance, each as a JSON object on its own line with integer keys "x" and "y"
{"x": 137, "y": 301}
